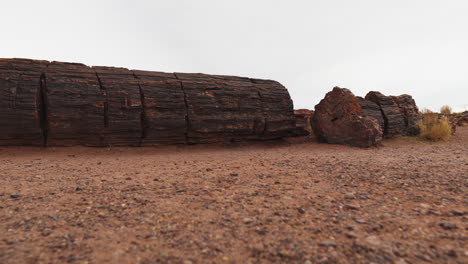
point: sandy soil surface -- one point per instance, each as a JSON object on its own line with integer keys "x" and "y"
{"x": 276, "y": 202}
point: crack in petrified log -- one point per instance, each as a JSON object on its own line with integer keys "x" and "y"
{"x": 14, "y": 91}
{"x": 187, "y": 120}
{"x": 144, "y": 123}
{"x": 62, "y": 103}
{"x": 261, "y": 124}
{"x": 42, "y": 109}
{"x": 106, "y": 101}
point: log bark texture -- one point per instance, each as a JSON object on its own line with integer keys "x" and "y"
{"x": 75, "y": 104}
{"x": 164, "y": 116}
{"x": 122, "y": 125}
{"x": 58, "y": 103}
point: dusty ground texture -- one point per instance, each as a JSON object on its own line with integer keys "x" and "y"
{"x": 278, "y": 202}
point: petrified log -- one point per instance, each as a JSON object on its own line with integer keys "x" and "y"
{"x": 72, "y": 104}
{"x": 303, "y": 122}
{"x": 20, "y": 102}
{"x": 393, "y": 118}
{"x": 338, "y": 119}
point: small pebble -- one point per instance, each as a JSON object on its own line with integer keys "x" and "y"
{"x": 352, "y": 206}
{"x": 349, "y": 196}
{"x": 448, "y": 226}
{"x": 328, "y": 243}
{"x": 372, "y": 240}
{"x": 247, "y": 220}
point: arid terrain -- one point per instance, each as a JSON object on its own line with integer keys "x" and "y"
{"x": 292, "y": 201}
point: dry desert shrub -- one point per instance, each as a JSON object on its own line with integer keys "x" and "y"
{"x": 446, "y": 110}
{"x": 434, "y": 127}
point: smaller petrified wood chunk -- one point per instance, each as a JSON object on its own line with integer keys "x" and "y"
{"x": 338, "y": 119}
{"x": 410, "y": 113}
{"x": 303, "y": 122}
{"x": 393, "y": 118}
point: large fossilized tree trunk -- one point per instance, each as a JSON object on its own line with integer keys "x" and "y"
{"x": 43, "y": 103}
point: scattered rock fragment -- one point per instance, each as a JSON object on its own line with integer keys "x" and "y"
{"x": 247, "y": 220}
{"x": 457, "y": 213}
{"x": 448, "y": 226}
{"x": 15, "y": 196}
{"x": 372, "y": 240}
{"x": 328, "y": 243}
{"x": 352, "y": 206}
{"x": 349, "y": 196}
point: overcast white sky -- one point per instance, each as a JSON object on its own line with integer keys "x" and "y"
{"x": 419, "y": 47}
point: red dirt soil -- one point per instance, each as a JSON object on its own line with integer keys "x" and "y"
{"x": 293, "y": 201}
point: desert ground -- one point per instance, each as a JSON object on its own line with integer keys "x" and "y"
{"x": 289, "y": 201}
